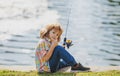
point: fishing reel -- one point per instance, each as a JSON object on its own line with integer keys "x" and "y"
{"x": 67, "y": 43}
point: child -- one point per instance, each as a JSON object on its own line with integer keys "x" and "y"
{"x": 49, "y": 56}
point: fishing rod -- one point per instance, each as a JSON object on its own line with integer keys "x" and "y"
{"x": 66, "y": 42}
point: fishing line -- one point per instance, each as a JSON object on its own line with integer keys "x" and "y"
{"x": 68, "y": 20}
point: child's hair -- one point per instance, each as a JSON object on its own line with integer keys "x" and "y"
{"x": 45, "y": 31}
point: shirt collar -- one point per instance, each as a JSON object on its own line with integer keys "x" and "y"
{"x": 47, "y": 39}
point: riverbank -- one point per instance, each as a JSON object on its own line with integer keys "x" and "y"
{"x": 32, "y": 68}
{"x": 18, "y": 68}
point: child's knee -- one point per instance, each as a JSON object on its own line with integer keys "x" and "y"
{"x": 58, "y": 47}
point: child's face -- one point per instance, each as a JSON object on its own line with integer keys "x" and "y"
{"x": 53, "y": 34}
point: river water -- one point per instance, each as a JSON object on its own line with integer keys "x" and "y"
{"x": 93, "y": 27}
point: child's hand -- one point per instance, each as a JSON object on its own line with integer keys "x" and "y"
{"x": 54, "y": 42}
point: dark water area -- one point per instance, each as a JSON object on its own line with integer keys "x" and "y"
{"x": 94, "y": 28}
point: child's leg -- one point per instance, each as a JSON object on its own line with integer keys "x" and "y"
{"x": 62, "y": 64}
{"x": 60, "y": 53}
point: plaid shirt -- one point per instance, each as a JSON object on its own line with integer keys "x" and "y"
{"x": 41, "y": 50}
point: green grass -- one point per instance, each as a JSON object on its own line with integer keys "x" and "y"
{"x": 106, "y": 73}
{"x": 34, "y": 73}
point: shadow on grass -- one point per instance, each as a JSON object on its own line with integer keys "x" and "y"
{"x": 56, "y": 74}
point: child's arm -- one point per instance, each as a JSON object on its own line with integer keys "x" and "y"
{"x": 49, "y": 53}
